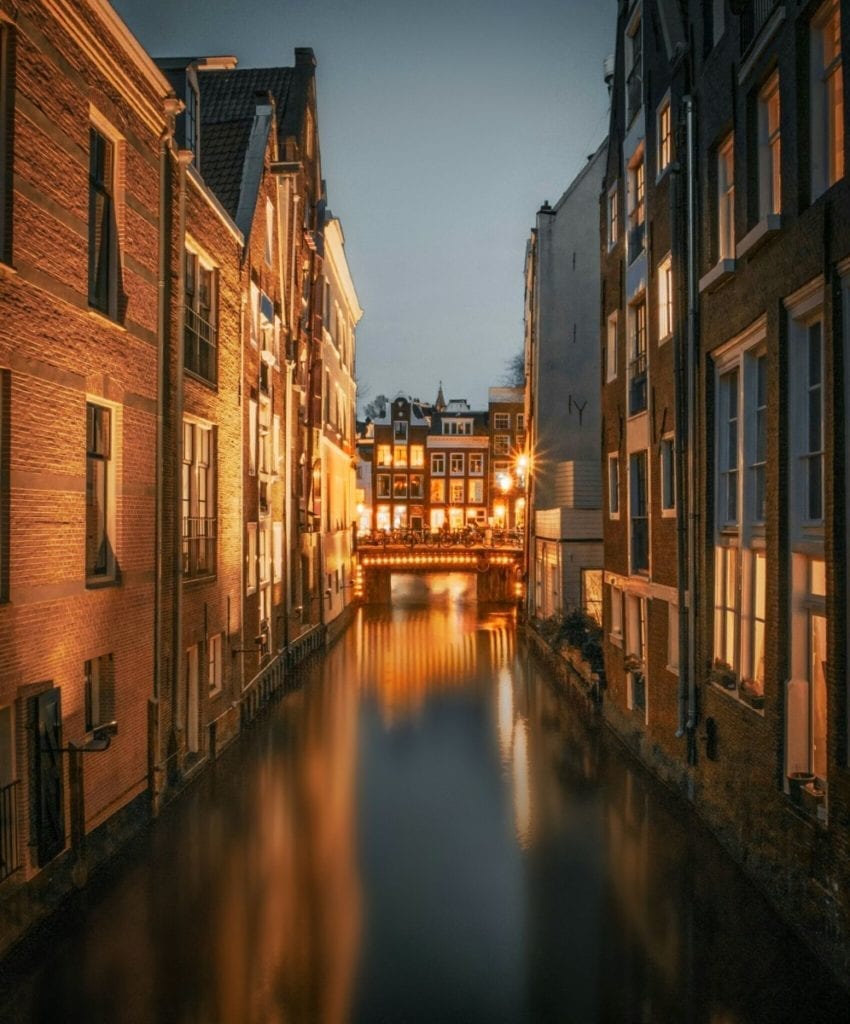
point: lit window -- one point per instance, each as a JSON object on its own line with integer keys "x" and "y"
{"x": 438, "y": 491}
{"x": 198, "y": 497}
{"x": 827, "y": 99}
{"x": 385, "y": 456}
{"x": 214, "y": 664}
{"x": 100, "y": 557}
{"x": 476, "y": 465}
{"x": 400, "y": 485}
{"x": 502, "y": 444}
{"x": 456, "y": 492}
{"x": 400, "y": 455}
{"x": 665, "y": 136}
{"x": 726, "y": 612}
{"x": 665, "y": 299}
{"x": 770, "y": 170}
{"x": 616, "y": 598}
{"x": 726, "y": 199}
{"x": 99, "y": 691}
{"x": 611, "y": 348}
{"x": 456, "y": 463}
{"x": 417, "y": 456}
{"x": 614, "y": 486}
{"x": 476, "y": 492}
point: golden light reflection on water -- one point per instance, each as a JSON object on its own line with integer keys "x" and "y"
{"x": 434, "y": 638}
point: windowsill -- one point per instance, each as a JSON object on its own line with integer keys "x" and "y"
{"x": 668, "y": 513}
{"x": 101, "y": 582}
{"x": 754, "y": 704}
{"x": 638, "y": 412}
{"x": 611, "y": 380}
{"x": 662, "y": 174}
{"x": 718, "y": 275}
{"x": 766, "y": 228}
{"x": 213, "y": 694}
{"x": 7, "y": 268}
{"x": 206, "y": 578}
{"x": 616, "y": 639}
{"x": 106, "y": 318}
{"x": 211, "y": 384}
{"x": 614, "y": 515}
{"x": 663, "y": 340}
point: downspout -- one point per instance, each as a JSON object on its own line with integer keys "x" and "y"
{"x": 184, "y": 158}
{"x": 691, "y": 369}
{"x": 163, "y": 295}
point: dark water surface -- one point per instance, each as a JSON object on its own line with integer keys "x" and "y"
{"x": 425, "y": 832}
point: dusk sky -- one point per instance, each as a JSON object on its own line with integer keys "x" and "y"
{"x": 443, "y": 127}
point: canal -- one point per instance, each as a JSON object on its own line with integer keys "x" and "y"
{"x": 424, "y": 831}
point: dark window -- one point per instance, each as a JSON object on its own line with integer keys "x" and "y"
{"x": 98, "y": 456}
{"x": 199, "y": 334}
{"x": 102, "y": 234}
{"x": 638, "y": 512}
{"x": 5, "y": 140}
{"x": 637, "y": 364}
{"x": 192, "y": 120}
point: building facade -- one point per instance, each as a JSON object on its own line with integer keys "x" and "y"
{"x": 726, "y": 236}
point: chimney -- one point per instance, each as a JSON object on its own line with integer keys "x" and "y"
{"x": 304, "y": 56}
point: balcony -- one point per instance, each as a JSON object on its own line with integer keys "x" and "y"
{"x": 199, "y": 537}
{"x": 754, "y": 17}
{"x": 199, "y": 344}
{"x": 637, "y": 384}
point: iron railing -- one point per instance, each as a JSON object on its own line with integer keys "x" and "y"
{"x": 10, "y": 847}
{"x": 199, "y": 345}
{"x": 753, "y": 19}
{"x": 199, "y": 537}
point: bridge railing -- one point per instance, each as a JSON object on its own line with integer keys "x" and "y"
{"x": 441, "y": 539}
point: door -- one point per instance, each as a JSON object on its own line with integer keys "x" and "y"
{"x": 192, "y": 701}
{"x": 46, "y": 775}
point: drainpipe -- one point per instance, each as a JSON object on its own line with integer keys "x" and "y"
{"x": 691, "y": 370}
{"x": 184, "y": 158}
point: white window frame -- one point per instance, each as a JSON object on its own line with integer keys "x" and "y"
{"x": 251, "y": 559}
{"x": 457, "y": 464}
{"x": 770, "y": 148}
{"x": 826, "y": 82}
{"x": 476, "y": 464}
{"x": 615, "y": 633}
{"x": 726, "y": 198}
{"x": 438, "y": 464}
{"x": 665, "y": 298}
{"x": 611, "y": 348}
{"x": 501, "y": 421}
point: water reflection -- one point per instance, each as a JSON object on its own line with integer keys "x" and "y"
{"x": 426, "y": 831}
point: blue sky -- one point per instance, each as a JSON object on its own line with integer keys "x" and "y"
{"x": 443, "y": 127}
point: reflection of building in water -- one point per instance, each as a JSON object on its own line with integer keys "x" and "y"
{"x": 289, "y": 928}
{"x": 409, "y": 653}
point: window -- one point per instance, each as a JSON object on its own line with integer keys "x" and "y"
{"x": 668, "y": 475}
{"x": 476, "y": 465}
{"x": 5, "y": 140}
{"x": 383, "y": 485}
{"x": 769, "y": 156}
{"x": 613, "y": 222}
{"x": 456, "y": 492}
{"x": 192, "y": 120}
{"x": 665, "y": 298}
{"x": 616, "y": 632}
{"x": 520, "y": 423}
{"x": 728, "y": 449}
{"x": 502, "y": 444}
{"x": 400, "y": 485}
{"x": 277, "y": 549}
{"x": 417, "y": 456}
{"x": 199, "y": 326}
{"x": 759, "y": 442}
{"x": 664, "y": 131}
{"x": 726, "y": 199}
{"x": 99, "y": 691}
{"x": 636, "y": 648}
{"x": 400, "y": 431}
{"x": 611, "y": 348}
{"x": 252, "y": 437}
{"x": 827, "y": 99}
{"x": 637, "y": 359}
{"x": 438, "y": 491}
{"x": 251, "y": 559}
{"x": 639, "y": 521}
{"x": 416, "y": 485}
{"x": 268, "y": 247}
{"x": 456, "y": 463}
{"x": 591, "y": 594}
{"x": 457, "y": 426}
{"x": 100, "y": 558}
{"x": 614, "y": 486}
{"x": 726, "y": 608}
{"x": 400, "y": 455}
{"x": 718, "y": 20}
{"x": 476, "y": 492}
{"x": 214, "y": 664}
{"x": 634, "y": 81}
{"x": 103, "y": 235}
{"x": 812, "y": 449}
{"x": 385, "y": 457}
{"x": 501, "y": 421}
{"x": 199, "y": 518}
{"x": 637, "y": 207}
{"x": 438, "y": 463}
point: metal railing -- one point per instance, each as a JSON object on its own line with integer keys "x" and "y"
{"x": 199, "y": 345}
{"x": 199, "y": 537}
{"x": 10, "y": 847}
{"x": 637, "y": 384}
{"x": 754, "y": 18}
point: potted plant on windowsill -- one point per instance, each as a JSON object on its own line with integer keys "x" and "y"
{"x": 632, "y": 663}
{"x": 723, "y": 675}
{"x": 752, "y": 693}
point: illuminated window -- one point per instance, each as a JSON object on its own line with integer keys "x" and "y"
{"x": 456, "y": 492}
{"x": 827, "y": 99}
{"x": 417, "y": 456}
{"x": 501, "y": 421}
{"x": 476, "y": 465}
{"x": 400, "y": 485}
{"x": 665, "y": 299}
{"x": 438, "y": 491}
{"x": 456, "y": 463}
{"x": 198, "y": 497}
{"x": 400, "y": 455}
{"x": 476, "y": 492}
{"x": 385, "y": 456}
{"x": 199, "y": 326}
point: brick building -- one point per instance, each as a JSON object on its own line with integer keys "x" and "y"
{"x": 83, "y": 113}
{"x": 458, "y": 466}
{"x": 507, "y": 476}
{"x": 732, "y": 496}
{"x": 399, "y": 471}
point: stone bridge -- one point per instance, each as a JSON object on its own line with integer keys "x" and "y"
{"x": 498, "y": 570}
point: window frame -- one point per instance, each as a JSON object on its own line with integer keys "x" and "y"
{"x": 199, "y": 531}
{"x": 457, "y": 464}
{"x": 200, "y": 315}
{"x": 501, "y": 421}
{"x": 639, "y": 491}
{"x": 613, "y": 221}
{"x": 769, "y": 148}
{"x": 611, "y": 347}
{"x": 826, "y": 80}
{"x": 214, "y": 665}
{"x": 725, "y": 198}
{"x": 613, "y": 485}
{"x": 667, "y": 475}
{"x": 103, "y": 294}
{"x": 664, "y": 277}
{"x": 104, "y": 571}
{"x": 663, "y": 137}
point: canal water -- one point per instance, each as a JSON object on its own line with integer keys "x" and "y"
{"x": 425, "y": 831}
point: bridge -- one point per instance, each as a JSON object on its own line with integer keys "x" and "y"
{"x": 498, "y": 568}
